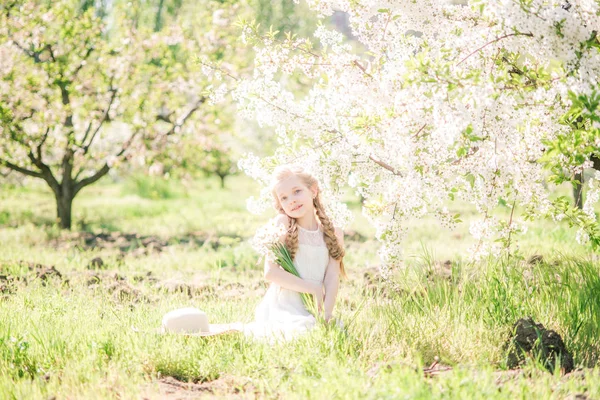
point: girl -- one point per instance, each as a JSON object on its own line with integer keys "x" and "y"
{"x": 317, "y": 250}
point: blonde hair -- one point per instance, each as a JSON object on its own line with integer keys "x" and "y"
{"x": 291, "y": 238}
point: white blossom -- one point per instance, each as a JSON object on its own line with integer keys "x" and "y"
{"x": 266, "y": 236}
{"x": 432, "y": 113}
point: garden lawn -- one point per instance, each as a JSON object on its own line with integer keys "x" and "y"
{"x": 88, "y": 329}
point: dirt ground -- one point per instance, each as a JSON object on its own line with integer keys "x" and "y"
{"x": 226, "y": 387}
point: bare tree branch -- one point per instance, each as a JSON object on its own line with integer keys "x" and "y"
{"x": 39, "y": 146}
{"x": 34, "y": 55}
{"x": 363, "y": 69}
{"x": 494, "y": 41}
{"x": 83, "y": 61}
{"x": 221, "y": 70}
{"x": 128, "y": 143}
{"x": 8, "y": 8}
{"x": 416, "y": 135}
{"x": 77, "y": 174}
{"x": 22, "y": 170}
{"x": 186, "y": 116}
{"x": 91, "y": 179}
{"x": 86, "y": 147}
{"x": 46, "y": 173}
{"x": 87, "y": 132}
{"x": 389, "y": 18}
{"x": 49, "y": 48}
{"x": 105, "y": 168}
{"x": 384, "y": 165}
{"x": 65, "y": 97}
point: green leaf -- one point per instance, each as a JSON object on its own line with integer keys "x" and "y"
{"x": 471, "y": 179}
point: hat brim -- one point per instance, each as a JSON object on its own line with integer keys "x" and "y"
{"x": 213, "y": 330}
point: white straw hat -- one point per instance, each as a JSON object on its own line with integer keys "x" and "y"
{"x": 185, "y": 320}
{"x": 192, "y": 321}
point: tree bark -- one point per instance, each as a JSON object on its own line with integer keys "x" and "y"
{"x": 64, "y": 203}
{"x": 578, "y": 191}
{"x": 158, "y": 21}
{"x": 578, "y": 188}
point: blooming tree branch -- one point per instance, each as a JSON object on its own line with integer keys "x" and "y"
{"x": 485, "y": 126}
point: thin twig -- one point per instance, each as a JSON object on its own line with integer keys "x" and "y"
{"x": 319, "y": 146}
{"x": 39, "y": 146}
{"x": 186, "y": 116}
{"x": 386, "y": 25}
{"x": 416, "y": 135}
{"x": 362, "y": 69}
{"x": 83, "y": 61}
{"x": 509, "y": 230}
{"x": 494, "y": 41}
{"x": 384, "y": 165}
{"x": 102, "y": 120}
{"x": 221, "y": 70}
{"x": 281, "y": 108}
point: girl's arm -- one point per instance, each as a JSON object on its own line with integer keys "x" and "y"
{"x": 332, "y": 279}
{"x": 274, "y": 273}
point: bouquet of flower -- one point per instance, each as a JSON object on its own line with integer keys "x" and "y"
{"x": 283, "y": 258}
{"x": 266, "y": 242}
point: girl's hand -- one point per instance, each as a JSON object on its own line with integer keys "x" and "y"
{"x": 319, "y": 296}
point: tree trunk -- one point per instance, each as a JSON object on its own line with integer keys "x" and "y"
{"x": 222, "y": 181}
{"x": 578, "y": 188}
{"x": 64, "y": 203}
{"x": 158, "y": 20}
{"x": 578, "y": 191}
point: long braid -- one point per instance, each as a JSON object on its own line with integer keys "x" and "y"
{"x": 335, "y": 250}
{"x": 291, "y": 238}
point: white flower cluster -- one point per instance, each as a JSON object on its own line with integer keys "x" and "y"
{"x": 266, "y": 236}
{"x": 592, "y": 196}
{"x": 582, "y": 237}
{"x": 453, "y": 101}
{"x": 217, "y": 95}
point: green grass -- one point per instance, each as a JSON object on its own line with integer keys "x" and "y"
{"x": 83, "y": 340}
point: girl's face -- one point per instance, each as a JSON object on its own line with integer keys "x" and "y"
{"x": 295, "y": 198}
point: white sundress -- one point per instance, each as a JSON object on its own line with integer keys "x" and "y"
{"x": 281, "y": 312}
{"x": 280, "y": 315}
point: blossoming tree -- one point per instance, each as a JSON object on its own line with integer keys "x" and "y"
{"x": 79, "y": 94}
{"x": 492, "y": 102}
